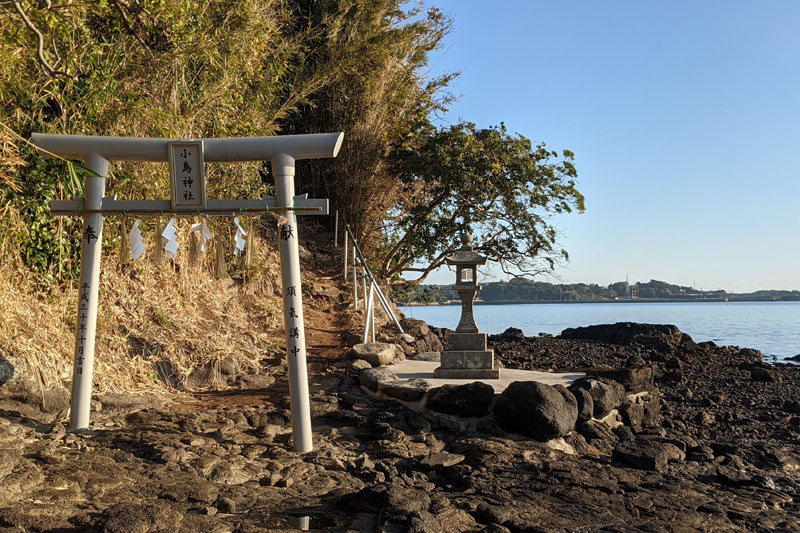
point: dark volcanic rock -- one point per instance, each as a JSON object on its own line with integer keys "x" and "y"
{"x": 371, "y": 378}
{"x": 396, "y": 501}
{"x": 536, "y": 410}
{"x": 465, "y": 401}
{"x": 606, "y": 394}
{"x": 623, "y": 433}
{"x": 513, "y": 333}
{"x": 657, "y": 336}
{"x": 578, "y": 442}
{"x": 433, "y": 342}
{"x": 130, "y": 517}
{"x": 764, "y": 375}
{"x": 6, "y": 370}
{"x": 652, "y": 409}
{"x": 227, "y": 463}
{"x": 406, "y": 389}
{"x": 441, "y": 460}
{"x": 632, "y": 415}
{"x": 415, "y": 327}
{"x": 425, "y": 339}
{"x": 585, "y": 404}
{"x": 642, "y": 454}
{"x": 598, "y": 435}
{"x": 633, "y": 379}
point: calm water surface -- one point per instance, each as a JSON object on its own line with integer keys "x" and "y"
{"x": 772, "y": 327}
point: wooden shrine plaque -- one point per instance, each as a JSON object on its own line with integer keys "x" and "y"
{"x": 187, "y": 174}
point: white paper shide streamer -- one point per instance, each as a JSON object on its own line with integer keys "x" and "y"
{"x": 169, "y": 238}
{"x": 136, "y": 242}
{"x": 240, "y": 235}
{"x": 203, "y": 236}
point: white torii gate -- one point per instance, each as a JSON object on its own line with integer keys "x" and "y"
{"x": 281, "y": 151}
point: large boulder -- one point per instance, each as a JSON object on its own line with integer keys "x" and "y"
{"x": 513, "y": 334}
{"x": 395, "y": 501}
{"x": 428, "y": 343}
{"x": 633, "y": 379}
{"x": 414, "y": 327}
{"x": 599, "y": 435}
{"x": 328, "y": 291}
{"x": 585, "y": 404}
{"x": 6, "y": 370}
{"x": 409, "y": 390}
{"x": 536, "y": 410}
{"x": 632, "y": 415}
{"x": 210, "y": 374}
{"x": 372, "y": 378}
{"x": 424, "y": 339}
{"x": 652, "y": 408}
{"x": 645, "y": 454}
{"x": 375, "y": 353}
{"x": 472, "y": 399}
{"x": 660, "y": 337}
{"x": 606, "y": 394}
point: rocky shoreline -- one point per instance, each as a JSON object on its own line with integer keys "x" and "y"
{"x": 721, "y": 452}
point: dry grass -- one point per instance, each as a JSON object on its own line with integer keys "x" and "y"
{"x": 147, "y": 313}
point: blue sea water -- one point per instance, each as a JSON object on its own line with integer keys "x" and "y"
{"x": 771, "y": 327}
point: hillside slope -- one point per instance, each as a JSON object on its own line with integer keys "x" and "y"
{"x": 171, "y": 327}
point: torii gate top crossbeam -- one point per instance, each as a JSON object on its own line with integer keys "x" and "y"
{"x": 309, "y": 146}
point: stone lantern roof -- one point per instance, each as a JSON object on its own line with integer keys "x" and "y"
{"x": 466, "y": 255}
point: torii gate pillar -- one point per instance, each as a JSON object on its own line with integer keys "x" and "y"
{"x": 91, "y": 250}
{"x": 283, "y": 170}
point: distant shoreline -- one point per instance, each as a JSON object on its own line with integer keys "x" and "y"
{"x": 637, "y": 301}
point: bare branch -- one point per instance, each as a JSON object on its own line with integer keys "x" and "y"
{"x": 40, "y": 42}
{"x": 409, "y": 231}
{"x": 436, "y": 263}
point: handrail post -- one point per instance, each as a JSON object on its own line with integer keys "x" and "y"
{"x": 355, "y": 281}
{"x": 372, "y": 307}
{"x": 367, "y": 276}
{"x": 346, "y": 248}
{"x": 369, "y": 310}
{"x": 364, "y": 279}
{"x": 387, "y": 309}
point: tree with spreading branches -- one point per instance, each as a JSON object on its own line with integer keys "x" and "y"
{"x": 483, "y": 181}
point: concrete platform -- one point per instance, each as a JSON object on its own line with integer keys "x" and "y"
{"x": 411, "y": 369}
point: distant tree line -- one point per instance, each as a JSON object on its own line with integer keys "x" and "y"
{"x": 526, "y": 290}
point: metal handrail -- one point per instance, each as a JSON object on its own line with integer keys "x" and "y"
{"x": 374, "y": 287}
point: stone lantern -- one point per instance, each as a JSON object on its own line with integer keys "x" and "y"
{"x": 466, "y": 355}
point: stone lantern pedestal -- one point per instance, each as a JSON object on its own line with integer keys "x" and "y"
{"x": 467, "y": 356}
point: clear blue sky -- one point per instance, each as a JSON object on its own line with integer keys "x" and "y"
{"x": 684, "y": 117}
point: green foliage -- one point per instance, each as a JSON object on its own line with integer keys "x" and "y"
{"x": 214, "y": 68}
{"x": 170, "y": 68}
{"x": 465, "y": 179}
{"x": 380, "y": 52}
